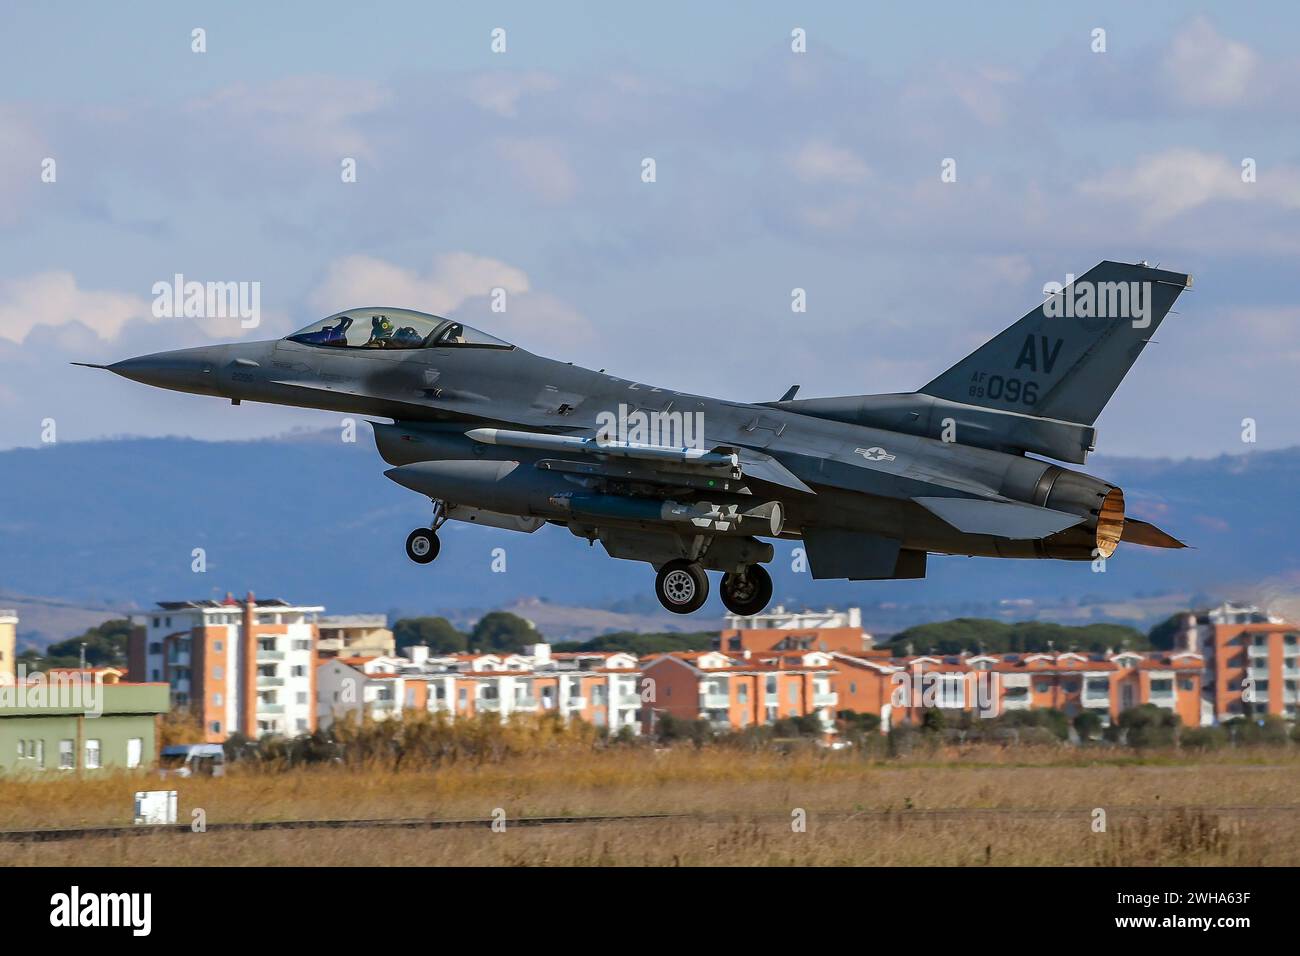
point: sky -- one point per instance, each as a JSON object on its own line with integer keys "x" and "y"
{"x": 775, "y": 170}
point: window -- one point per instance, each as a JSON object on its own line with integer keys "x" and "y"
{"x": 218, "y": 646}
{"x": 742, "y": 693}
{"x": 155, "y": 647}
{"x": 92, "y": 754}
{"x": 853, "y": 687}
{"x": 302, "y": 697}
{"x": 301, "y": 723}
{"x": 1187, "y": 683}
{"x": 134, "y": 752}
{"x": 1042, "y": 687}
{"x": 216, "y": 726}
{"x": 157, "y": 622}
{"x": 302, "y": 645}
{"x": 217, "y": 700}
{"x": 793, "y": 693}
{"x": 218, "y": 673}
{"x": 67, "y": 756}
{"x": 40, "y": 754}
{"x": 298, "y": 670}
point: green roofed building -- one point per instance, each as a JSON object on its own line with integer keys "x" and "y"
{"x": 57, "y": 723}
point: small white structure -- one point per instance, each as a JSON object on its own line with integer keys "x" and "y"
{"x": 155, "y": 807}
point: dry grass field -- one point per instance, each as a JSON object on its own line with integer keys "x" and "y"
{"x": 978, "y": 805}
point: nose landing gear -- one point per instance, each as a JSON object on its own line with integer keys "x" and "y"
{"x": 422, "y": 544}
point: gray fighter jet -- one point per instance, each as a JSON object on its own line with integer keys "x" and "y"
{"x": 871, "y": 484}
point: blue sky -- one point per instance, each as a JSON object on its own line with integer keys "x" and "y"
{"x": 775, "y": 170}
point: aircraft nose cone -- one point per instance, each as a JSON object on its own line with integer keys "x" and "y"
{"x": 185, "y": 370}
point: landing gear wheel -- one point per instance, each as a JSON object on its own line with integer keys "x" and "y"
{"x": 422, "y": 546}
{"x": 747, "y": 593}
{"x": 682, "y": 586}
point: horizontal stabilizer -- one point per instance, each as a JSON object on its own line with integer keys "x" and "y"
{"x": 1140, "y": 532}
{"x": 1003, "y": 519}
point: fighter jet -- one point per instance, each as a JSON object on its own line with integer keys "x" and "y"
{"x": 494, "y": 435}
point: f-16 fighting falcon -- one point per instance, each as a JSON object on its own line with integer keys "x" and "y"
{"x": 871, "y": 484}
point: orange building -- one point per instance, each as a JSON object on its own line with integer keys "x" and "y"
{"x": 1252, "y": 660}
{"x": 247, "y": 666}
{"x": 777, "y": 629}
{"x": 601, "y": 688}
{"x": 899, "y": 690}
{"x": 735, "y": 692}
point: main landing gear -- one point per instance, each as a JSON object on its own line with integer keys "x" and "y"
{"x": 683, "y": 587}
{"x": 422, "y": 544}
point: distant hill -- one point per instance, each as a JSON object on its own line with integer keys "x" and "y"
{"x": 112, "y": 524}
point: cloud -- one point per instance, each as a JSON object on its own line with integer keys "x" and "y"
{"x": 500, "y": 93}
{"x": 54, "y": 299}
{"x": 1171, "y": 182}
{"x": 819, "y": 161}
{"x": 358, "y": 281}
{"x": 306, "y": 115}
{"x": 541, "y": 166}
{"x": 1204, "y": 68}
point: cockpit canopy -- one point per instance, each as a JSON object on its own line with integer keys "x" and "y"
{"x": 393, "y": 329}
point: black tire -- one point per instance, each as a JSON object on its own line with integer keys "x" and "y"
{"x": 682, "y": 586}
{"x": 422, "y": 546}
{"x": 747, "y": 593}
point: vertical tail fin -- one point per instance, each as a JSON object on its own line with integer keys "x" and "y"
{"x": 1065, "y": 359}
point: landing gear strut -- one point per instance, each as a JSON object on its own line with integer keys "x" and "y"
{"x": 747, "y": 593}
{"x": 682, "y": 586}
{"x": 422, "y": 544}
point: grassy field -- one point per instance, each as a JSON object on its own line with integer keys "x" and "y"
{"x": 975, "y": 806}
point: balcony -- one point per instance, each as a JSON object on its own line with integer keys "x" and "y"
{"x": 1091, "y": 701}
{"x": 263, "y": 655}
{"x": 575, "y": 703}
{"x": 484, "y": 704}
{"x": 825, "y": 698}
{"x": 714, "y": 701}
{"x": 628, "y": 700}
{"x": 1257, "y": 673}
{"x": 524, "y": 703}
{"x": 1258, "y": 650}
{"x": 263, "y": 681}
{"x": 269, "y": 708}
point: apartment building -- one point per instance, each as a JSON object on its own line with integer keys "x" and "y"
{"x": 354, "y": 635}
{"x": 240, "y": 666}
{"x": 733, "y": 692}
{"x": 1252, "y": 660}
{"x": 8, "y": 645}
{"x": 598, "y": 687}
{"x": 777, "y": 629}
{"x": 900, "y": 689}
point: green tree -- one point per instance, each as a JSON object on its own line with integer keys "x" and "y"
{"x": 105, "y": 647}
{"x": 998, "y": 637}
{"x": 437, "y": 632}
{"x": 1147, "y": 726}
{"x": 1087, "y": 725}
{"x": 641, "y": 644}
{"x": 502, "y": 632}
